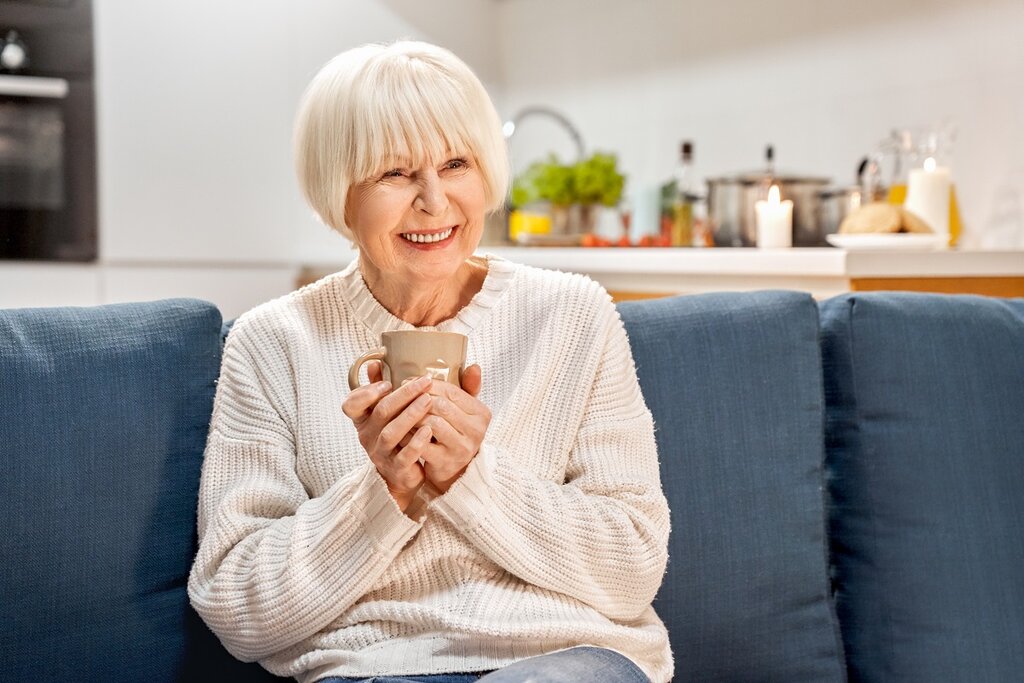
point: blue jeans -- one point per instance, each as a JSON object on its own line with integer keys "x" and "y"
{"x": 590, "y": 664}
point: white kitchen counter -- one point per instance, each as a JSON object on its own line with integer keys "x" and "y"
{"x": 768, "y": 262}
{"x": 626, "y": 272}
{"x": 635, "y": 272}
{"x": 823, "y": 272}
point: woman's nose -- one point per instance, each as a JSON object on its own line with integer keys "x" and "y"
{"x": 431, "y": 199}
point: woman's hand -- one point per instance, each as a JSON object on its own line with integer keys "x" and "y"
{"x": 383, "y": 420}
{"x": 459, "y": 422}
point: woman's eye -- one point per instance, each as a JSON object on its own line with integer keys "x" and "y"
{"x": 393, "y": 173}
{"x": 456, "y": 163}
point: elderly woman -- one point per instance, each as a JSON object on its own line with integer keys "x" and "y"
{"x": 512, "y": 529}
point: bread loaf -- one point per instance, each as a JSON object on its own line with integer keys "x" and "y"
{"x": 881, "y": 217}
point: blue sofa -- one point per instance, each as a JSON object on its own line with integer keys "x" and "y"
{"x": 846, "y": 481}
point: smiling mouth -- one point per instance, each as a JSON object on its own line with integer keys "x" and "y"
{"x": 427, "y": 238}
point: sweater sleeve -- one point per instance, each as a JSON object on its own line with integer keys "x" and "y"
{"x": 600, "y": 537}
{"x": 275, "y": 566}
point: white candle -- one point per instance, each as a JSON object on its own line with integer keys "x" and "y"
{"x": 774, "y": 221}
{"x": 928, "y": 196}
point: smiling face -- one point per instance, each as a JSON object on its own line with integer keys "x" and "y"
{"x": 408, "y": 101}
{"x": 416, "y": 226}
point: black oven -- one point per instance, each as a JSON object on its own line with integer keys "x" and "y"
{"x": 47, "y": 131}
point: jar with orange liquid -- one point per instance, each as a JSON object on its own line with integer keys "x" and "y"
{"x": 914, "y": 149}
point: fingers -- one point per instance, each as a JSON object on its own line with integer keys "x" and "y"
{"x": 388, "y": 407}
{"x": 446, "y": 460}
{"x": 447, "y": 435}
{"x": 471, "y": 377}
{"x": 401, "y": 397}
{"x": 463, "y": 400}
{"x": 392, "y": 433}
{"x": 415, "y": 448}
{"x": 443, "y": 410}
{"x": 361, "y": 401}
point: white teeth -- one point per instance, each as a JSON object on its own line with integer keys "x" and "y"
{"x": 424, "y": 239}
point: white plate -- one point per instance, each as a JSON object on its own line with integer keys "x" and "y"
{"x": 901, "y": 241}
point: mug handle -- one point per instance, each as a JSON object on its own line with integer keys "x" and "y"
{"x": 353, "y": 373}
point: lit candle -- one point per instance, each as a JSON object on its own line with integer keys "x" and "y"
{"x": 774, "y": 221}
{"x": 928, "y": 196}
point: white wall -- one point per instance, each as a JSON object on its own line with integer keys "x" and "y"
{"x": 823, "y": 81}
{"x": 196, "y": 102}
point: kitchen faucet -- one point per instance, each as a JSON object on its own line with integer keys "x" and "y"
{"x": 509, "y": 127}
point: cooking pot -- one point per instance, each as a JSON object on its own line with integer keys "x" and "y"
{"x": 835, "y": 204}
{"x": 731, "y": 212}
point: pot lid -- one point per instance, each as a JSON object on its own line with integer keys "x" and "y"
{"x": 756, "y": 177}
{"x": 840, "y": 191}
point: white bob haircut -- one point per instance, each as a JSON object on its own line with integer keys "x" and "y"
{"x": 379, "y": 104}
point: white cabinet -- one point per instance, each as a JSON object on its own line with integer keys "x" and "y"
{"x": 234, "y": 289}
{"x": 24, "y": 285}
{"x": 195, "y": 104}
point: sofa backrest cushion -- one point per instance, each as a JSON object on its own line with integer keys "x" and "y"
{"x": 104, "y": 420}
{"x": 734, "y": 384}
{"x": 925, "y": 460}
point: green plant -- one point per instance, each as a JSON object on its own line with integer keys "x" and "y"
{"x": 544, "y": 181}
{"x": 591, "y": 181}
{"x": 597, "y": 181}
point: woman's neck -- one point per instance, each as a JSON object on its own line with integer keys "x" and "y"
{"x": 426, "y": 306}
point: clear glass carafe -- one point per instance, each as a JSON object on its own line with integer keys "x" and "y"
{"x": 909, "y": 149}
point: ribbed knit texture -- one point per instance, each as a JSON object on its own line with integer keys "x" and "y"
{"x": 555, "y": 536}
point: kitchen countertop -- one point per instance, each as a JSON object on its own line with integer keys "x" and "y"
{"x": 638, "y": 272}
{"x": 626, "y": 272}
{"x": 826, "y": 261}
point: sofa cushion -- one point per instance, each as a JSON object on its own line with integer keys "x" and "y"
{"x": 104, "y": 420}
{"x": 734, "y": 384}
{"x": 925, "y": 459}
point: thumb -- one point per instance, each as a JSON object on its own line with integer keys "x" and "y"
{"x": 471, "y": 378}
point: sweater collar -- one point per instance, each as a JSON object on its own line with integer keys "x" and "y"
{"x": 378, "y": 319}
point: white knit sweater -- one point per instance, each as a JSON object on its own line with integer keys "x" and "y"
{"x": 555, "y": 536}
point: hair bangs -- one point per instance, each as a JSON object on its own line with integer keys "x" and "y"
{"x": 407, "y": 125}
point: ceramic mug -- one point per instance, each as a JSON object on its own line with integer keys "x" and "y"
{"x": 408, "y": 354}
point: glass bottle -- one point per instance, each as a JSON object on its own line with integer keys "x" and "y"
{"x": 685, "y": 197}
{"x": 911, "y": 149}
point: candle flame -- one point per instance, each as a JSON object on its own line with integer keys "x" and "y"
{"x": 773, "y": 195}
{"x": 929, "y": 164}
